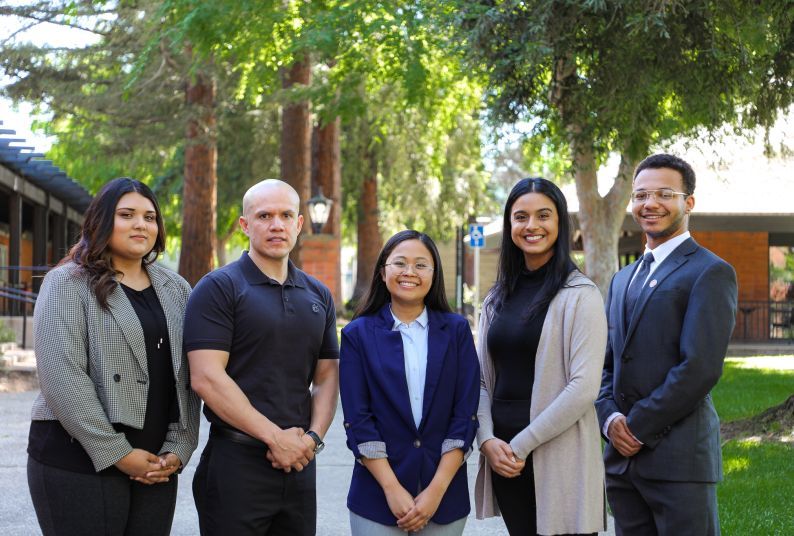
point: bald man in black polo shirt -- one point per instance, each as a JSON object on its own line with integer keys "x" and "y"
{"x": 261, "y": 341}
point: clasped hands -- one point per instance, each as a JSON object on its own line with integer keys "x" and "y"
{"x": 413, "y": 514}
{"x": 290, "y": 449}
{"x": 501, "y": 458}
{"x": 147, "y": 468}
{"x": 621, "y": 437}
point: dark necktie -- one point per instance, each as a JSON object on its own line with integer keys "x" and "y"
{"x": 635, "y": 289}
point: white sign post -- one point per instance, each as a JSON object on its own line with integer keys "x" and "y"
{"x": 477, "y": 242}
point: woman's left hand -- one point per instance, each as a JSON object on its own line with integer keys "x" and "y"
{"x": 169, "y": 464}
{"x": 425, "y": 506}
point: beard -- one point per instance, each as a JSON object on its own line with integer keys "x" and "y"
{"x": 675, "y": 225}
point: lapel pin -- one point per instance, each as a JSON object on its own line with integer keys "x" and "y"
{"x": 652, "y": 283}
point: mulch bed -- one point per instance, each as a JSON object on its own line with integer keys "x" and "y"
{"x": 773, "y": 424}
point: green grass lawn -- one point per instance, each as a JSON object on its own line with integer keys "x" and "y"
{"x": 750, "y": 385}
{"x": 756, "y": 495}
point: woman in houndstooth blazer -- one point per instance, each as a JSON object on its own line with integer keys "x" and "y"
{"x": 116, "y": 417}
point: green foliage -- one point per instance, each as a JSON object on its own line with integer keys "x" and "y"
{"x": 625, "y": 75}
{"x": 109, "y": 123}
{"x": 386, "y": 68}
{"x": 6, "y": 334}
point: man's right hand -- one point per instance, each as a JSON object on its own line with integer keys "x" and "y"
{"x": 288, "y": 451}
{"x": 501, "y": 458}
{"x": 621, "y": 437}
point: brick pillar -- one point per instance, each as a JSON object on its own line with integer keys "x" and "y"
{"x": 320, "y": 257}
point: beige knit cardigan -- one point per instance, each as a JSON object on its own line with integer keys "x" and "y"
{"x": 563, "y": 434}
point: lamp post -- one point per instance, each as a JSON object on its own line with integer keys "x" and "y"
{"x": 319, "y": 210}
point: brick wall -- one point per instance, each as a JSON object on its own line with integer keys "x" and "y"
{"x": 320, "y": 257}
{"x": 748, "y": 253}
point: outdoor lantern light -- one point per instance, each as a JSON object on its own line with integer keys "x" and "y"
{"x": 319, "y": 210}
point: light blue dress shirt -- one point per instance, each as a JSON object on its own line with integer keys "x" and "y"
{"x": 414, "y": 336}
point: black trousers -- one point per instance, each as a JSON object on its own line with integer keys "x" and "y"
{"x": 69, "y": 503}
{"x": 237, "y": 491}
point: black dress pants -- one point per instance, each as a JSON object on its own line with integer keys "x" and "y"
{"x": 237, "y": 491}
{"x": 68, "y": 503}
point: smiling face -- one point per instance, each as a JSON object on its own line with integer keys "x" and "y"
{"x": 408, "y": 285}
{"x": 271, "y": 221}
{"x": 661, "y": 220}
{"x": 134, "y": 227}
{"x": 534, "y": 227}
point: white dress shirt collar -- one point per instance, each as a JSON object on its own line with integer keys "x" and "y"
{"x": 662, "y": 251}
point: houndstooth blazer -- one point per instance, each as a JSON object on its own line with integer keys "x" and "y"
{"x": 92, "y": 363}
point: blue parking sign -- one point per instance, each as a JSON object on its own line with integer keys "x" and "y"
{"x": 476, "y": 235}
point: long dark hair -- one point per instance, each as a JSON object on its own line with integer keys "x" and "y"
{"x": 511, "y": 258}
{"x": 91, "y": 252}
{"x": 378, "y": 295}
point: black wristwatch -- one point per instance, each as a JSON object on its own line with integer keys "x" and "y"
{"x": 318, "y": 443}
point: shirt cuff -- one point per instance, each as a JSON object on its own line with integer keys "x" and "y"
{"x": 451, "y": 444}
{"x": 373, "y": 449}
{"x": 605, "y": 429}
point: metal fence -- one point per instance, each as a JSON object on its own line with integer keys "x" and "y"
{"x": 765, "y": 321}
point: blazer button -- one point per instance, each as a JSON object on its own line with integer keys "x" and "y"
{"x": 474, "y": 417}
{"x": 117, "y": 378}
{"x": 347, "y": 425}
{"x": 417, "y": 443}
{"x": 622, "y": 397}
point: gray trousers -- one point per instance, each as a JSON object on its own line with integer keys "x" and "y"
{"x": 645, "y": 507}
{"x": 69, "y": 503}
{"x": 361, "y": 526}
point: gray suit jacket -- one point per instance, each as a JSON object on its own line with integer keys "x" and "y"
{"x": 92, "y": 363}
{"x": 660, "y": 369}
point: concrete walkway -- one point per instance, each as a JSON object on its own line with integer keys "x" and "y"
{"x": 333, "y": 477}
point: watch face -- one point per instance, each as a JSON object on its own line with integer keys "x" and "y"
{"x": 319, "y": 448}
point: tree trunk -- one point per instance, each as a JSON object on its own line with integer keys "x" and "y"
{"x": 600, "y": 218}
{"x": 368, "y": 229}
{"x": 200, "y": 186}
{"x": 327, "y": 171}
{"x": 220, "y": 244}
{"x": 296, "y": 133}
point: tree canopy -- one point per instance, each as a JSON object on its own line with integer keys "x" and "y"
{"x": 595, "y": 78}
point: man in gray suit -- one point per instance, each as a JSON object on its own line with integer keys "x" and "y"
{"x": 671, "y": 315}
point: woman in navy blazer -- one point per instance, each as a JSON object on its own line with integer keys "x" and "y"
{"x": 409, "y": 381}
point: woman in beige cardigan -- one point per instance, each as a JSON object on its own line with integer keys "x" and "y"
{"x": 541, "y": 345}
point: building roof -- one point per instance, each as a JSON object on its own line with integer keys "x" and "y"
{"x": 26, "y": 162}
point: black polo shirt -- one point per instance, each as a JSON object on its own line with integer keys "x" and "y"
{"x": 274, "y": 334}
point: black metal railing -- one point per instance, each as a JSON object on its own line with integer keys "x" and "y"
{"x": 763, "y": 321}
{"x": 17, "y": 300}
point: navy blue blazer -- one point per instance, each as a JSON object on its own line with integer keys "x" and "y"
{"x": 376, "y": 407}
{"x": 660, "y": 368}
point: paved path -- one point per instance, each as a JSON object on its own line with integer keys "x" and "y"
{"x": 333, "y": 477}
